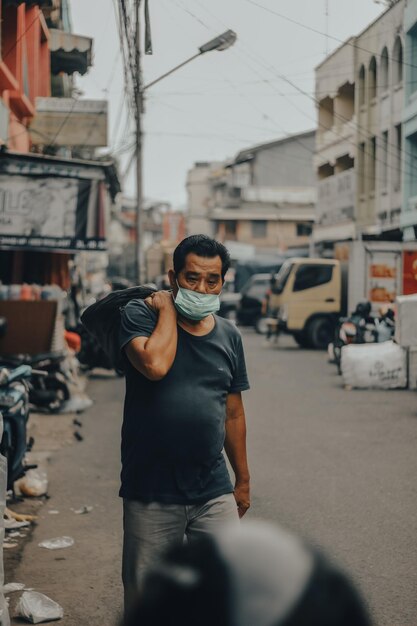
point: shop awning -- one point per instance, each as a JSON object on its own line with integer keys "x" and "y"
{"x": 69, "y": 53}
{"x": 41, "y": 3}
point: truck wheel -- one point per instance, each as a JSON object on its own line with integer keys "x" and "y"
{"x": 320, "y": 333}
{"x": 302, "y": 339}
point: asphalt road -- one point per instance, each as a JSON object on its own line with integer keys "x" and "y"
{"x": 337, "y": 466}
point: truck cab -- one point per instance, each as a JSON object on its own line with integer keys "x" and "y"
{"x": 306, "y": 300}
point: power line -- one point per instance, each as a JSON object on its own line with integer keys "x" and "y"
{"x": 315, "y": 30}
{"x": 303, "y": 92}
{"x": 51, "y": 143}
{"x": 345, "y": 120}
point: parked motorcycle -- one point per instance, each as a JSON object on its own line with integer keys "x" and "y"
{"x": 14, "y": 406}
{"x": 362, "y": 327}
{"x": 48, "y": 384}
{"x": 385, "y": 326}
{"x": 357, "y": 328}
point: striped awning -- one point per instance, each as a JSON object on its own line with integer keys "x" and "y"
{"x": 69, "y": 53}
{"x": 41, "y": 3}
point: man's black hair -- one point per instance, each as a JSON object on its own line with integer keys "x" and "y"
{"x": 203, "y": 246}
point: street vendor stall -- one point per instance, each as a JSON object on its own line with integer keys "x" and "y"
{"x": 50, "y": 209}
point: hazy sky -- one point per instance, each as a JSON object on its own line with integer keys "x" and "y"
{"x": 223, "y": 101}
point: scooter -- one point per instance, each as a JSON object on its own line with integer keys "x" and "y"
{"x": 385, "y": 326}
{"x": 48, "y": 385}
{"x": 14, "y": 406}
{"x": 360, "y": 327}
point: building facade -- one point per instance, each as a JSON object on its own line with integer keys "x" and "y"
{"x": 335, "y": 147}
{"x": 54, "y": 194}
{"x": 264, "y": 197}
{"x": 409, "y": 206}
{"x": 360, "y": 94}
{"x": 24, "y": 69}
{"x": 379, "y": 111}
{"x": 198, "y": 197}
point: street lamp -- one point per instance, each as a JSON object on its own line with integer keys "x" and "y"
{"x": 220, "y": 43}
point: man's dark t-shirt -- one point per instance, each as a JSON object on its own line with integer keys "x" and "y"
{"x": 173, "y": 429}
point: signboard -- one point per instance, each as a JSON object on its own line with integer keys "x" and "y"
{"x": 336, "y": 198}
{"x": 52, "y": 212}
{"x": 69, "y": 122}
{"x": 409, "y": 272}
{"x": 384, "y": 270}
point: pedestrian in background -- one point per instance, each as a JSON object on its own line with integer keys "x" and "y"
{"x": 254, "y": 575}
{"x": 185, "y": 372}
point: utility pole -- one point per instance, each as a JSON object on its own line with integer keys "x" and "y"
{"x": 222, "y": 42}
{"x": 138, "y": 151}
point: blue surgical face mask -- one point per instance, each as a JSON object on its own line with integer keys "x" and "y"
{"x": 196, "y": 306}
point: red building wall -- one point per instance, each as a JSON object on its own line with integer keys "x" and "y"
{"x": 24, "y": 68}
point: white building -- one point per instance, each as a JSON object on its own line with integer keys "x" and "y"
{"x": 198, "y": 192}
{"x": 359, "y": 137}
{"x": 266, "y": 196}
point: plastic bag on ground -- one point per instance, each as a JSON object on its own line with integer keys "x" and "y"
{"x": 37, "y": 608}
{"x": 33, "y": 484}
{"x": 10, "y": 587}
{"x": 57, "y": 543}
{"x": 374, "y": 366}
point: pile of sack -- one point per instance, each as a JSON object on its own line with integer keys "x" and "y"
{"x": 387, "y": 365}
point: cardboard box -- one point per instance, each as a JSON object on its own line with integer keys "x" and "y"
{"x": 30, "y": 326}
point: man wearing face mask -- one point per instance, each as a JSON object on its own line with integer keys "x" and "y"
{"x": 185, "y": 371}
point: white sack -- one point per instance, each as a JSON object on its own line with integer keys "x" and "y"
{"x": 374, "y": 365}
{"x": 37, "y": 608}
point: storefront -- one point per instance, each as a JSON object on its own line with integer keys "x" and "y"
{"x": 50, "y": 209}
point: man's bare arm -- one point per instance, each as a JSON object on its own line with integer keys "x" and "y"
{"x": 153, "y": 356}
{"x": 235, "y": 447}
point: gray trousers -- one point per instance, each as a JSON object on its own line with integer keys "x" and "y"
{"x": 150, "y": 528}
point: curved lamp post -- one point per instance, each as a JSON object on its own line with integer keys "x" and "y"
{"x": 220, "y": 43}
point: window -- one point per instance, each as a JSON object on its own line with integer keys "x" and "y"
{"x": 372, "y": 163}
{"x": 231, "y": 228}
{"x": 397, "y": 59}
{"x": 304, "y": 230}
{"x": 344, "y": 163}
{"x": 361, "y": 168}
{"x": 309, "y": 276}
{"x": 259, "y": 229}
{"x": 372, "y": 78}
{"x": 412, "y": 46}
{"x": 384, "y": 73}
{"x": 412, "y": 161}
{"x": 325, "y": 170}
{"x": 362, "y": 85}
{"x": 384, "y": 165}
{"x": 326, "y": 114}
{"x": 282, "y": 278}
{"x": 398, "y": 157}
